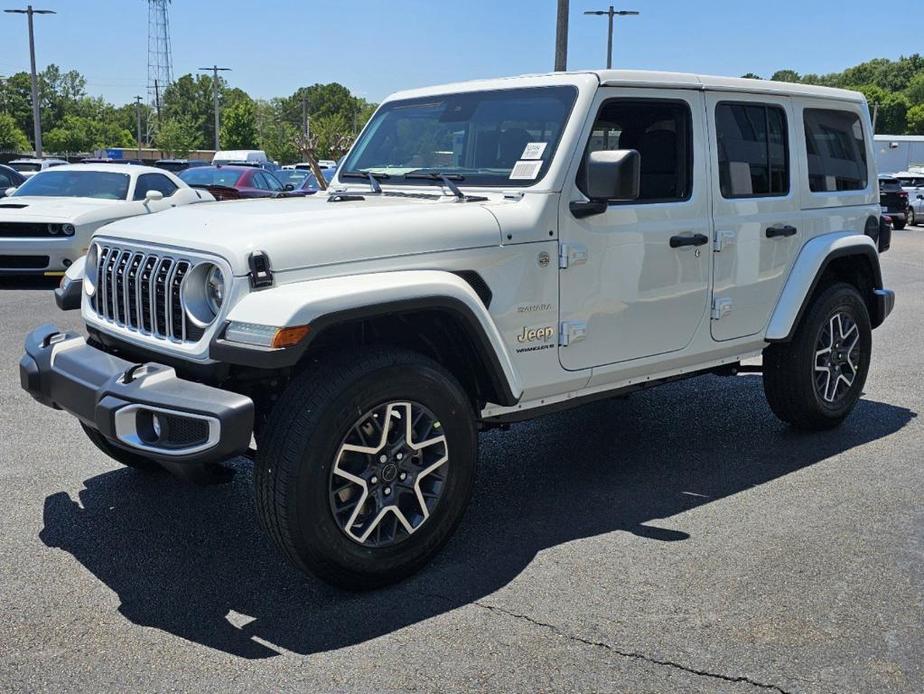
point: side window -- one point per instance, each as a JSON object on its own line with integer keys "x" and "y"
{"x": 159, "y": 182}
{"x": 272, "y": 181}
{"x": 753, "y": 150}
{"x": 5, "y": 181}
{"x": 661, "y": 131}
{"x": 259, "y": 181}
{"x": 836, "y": 151}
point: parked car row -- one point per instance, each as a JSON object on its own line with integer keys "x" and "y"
{"x": 901, "y": 196}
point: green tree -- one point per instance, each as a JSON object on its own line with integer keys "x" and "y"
{"x": 239, "y": 126}
{"x": 190, "y": 98}
{"x": 178, "y": 137}
{"x": 751, "y": 76}
{"x": 914, "y": 92}
{"x": 77, "y": 134}
{"x": 889, "y": 109}
{"x": 786, "y": 76}
{"x": 915, "y": 118}
{"x": 328, "y": 132}
{"x": 12, "y": 139}
{"x": 274, "y": 136}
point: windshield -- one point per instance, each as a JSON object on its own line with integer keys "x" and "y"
{"x": 293, "y": 176}
{"x": 26, "y": 166}
{"x": 76, "y": 184}
{"x": 207, "y": 176}
{"x": 498, "y": 138}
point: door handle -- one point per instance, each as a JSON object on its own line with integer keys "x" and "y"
{"x": 775, "y": 232}
{"x": 694, "y": 240}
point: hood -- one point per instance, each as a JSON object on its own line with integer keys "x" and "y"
{"x": 37, "y": 208}
{"x": 306, "y": 232}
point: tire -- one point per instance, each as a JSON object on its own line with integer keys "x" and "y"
{"x": 898, "y": 225}
{"x": 801, "y": 394}
{"x": 325, "y": 523}
{"x": 120, "y": 455}
{"x": 912, "y": 217}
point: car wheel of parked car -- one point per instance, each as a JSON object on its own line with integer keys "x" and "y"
{"x": 899, "y": 225}
{"x": 912, "y": 217}
{"x": 814, "y": 381}
{"x": 366, "y": 466}
{"x": 120, "y": 455}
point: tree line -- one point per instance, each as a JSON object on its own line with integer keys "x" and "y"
{"x": 74, "y": 122}
{"x": 893, "y": 88}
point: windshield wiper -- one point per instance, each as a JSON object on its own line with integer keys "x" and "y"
{"x": 446, "y": 180}
{"x": 372, "y": 177}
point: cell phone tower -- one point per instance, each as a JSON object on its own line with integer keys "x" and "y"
{"x": 160, "y": 55}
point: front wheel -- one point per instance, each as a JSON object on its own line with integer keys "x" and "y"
{"x": 814, "y": 381}
{"x": 366, "y": 466}
{"x": 899, "y": 225}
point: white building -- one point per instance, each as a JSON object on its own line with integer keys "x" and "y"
{"x": 899, "y": 152}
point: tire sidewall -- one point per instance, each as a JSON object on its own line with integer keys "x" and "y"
{"x": 317, "y": 532}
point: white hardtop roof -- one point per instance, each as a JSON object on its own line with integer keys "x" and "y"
{"x": 898, "y": 138}
{"x": 640, "y": 78}
{"x": 34, "y": 160}
{"x": 111, "y": 168}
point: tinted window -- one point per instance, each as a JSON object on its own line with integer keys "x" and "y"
{"x": 26, "y": 166}
{"x": 660, "y": 131}
{"x": 836, "y": 151}
{"x": 211, "y": 176}
{"x": 5, "y": 181}
{"x": 272, "y": 181}
{"x": 752, "y": 149}
{"x": 257, "y": 180}
{"x": 890, "y": 184}
{"x": 148, "y": 182}
{"x": 76, "y": 184}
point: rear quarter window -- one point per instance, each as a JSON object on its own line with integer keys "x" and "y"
{"x": 836, "y": 151}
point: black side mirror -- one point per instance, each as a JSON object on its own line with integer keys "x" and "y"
{"x": 921, "y": 197}
{"x": 288, "y": 186}
{"x": 609, "y": 175}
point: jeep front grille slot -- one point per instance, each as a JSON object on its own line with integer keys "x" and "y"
{"x": 143, "y": 292}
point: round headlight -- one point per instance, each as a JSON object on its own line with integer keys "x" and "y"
{"x": 68, "y": 229}
{"x": 215, "y": 289}
{"x": 90, "y": 270}
{"x": 54, "y": 229}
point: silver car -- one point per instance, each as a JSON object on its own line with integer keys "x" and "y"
{"x": 913, "y": 184}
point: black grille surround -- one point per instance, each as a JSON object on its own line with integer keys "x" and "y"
{"x": 28, "y": 230}
{"x": 142, "y": 291}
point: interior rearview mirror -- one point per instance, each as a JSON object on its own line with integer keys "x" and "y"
{"x": 609, "y": 175}
{"x": 153, "y": 195}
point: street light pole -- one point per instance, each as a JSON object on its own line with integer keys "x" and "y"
{"x": 36, "y": 114}
{"x": 214, "y": 70}
{"x": 561, "y": 37}
{"x": 611, "y": 13}
{"x": 138, "y": 123}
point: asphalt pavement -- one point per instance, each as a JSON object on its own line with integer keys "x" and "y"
{"x": 680, "y": 540}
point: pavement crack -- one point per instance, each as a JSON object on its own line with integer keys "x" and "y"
{"x": 630, "y": 654}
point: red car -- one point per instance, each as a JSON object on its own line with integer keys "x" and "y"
{"x": 235, "y": 182}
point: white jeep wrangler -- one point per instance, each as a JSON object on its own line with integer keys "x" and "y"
{"x": 488, "y": 252}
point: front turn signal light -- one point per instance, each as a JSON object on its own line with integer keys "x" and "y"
{"x": 265, "y": 335}
{"x": 289, "y": 337}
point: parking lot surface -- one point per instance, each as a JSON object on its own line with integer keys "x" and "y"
{"x": 682, "y": 539}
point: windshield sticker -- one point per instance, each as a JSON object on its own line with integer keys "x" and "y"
{"x": 525, "y": 170}
{"x": 533, "y": 150}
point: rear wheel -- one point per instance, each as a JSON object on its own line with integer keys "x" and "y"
{"x": 120, "y": 455}
{"x": 814, "y": 381}
{"x": 366, "y": 466}
{"x": 912, "y": 217}
{"x": 898, "y": 224}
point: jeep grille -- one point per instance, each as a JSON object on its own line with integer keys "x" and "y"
{"x": 141, "y": 291}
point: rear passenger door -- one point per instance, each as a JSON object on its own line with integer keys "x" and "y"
{"x": 756, "y": 208}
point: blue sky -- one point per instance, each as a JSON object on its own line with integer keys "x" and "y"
{"x": 375, "y": 47}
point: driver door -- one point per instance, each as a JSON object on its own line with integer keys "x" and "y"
{"x": 634, "y": 280}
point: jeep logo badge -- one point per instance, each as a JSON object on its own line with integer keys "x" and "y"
{"x": 536, "y": 334}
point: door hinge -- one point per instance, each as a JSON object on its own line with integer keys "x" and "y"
{"x": 571, "y": 254}
{"x": 721, "y": 307}
{"x": 570, "y": 332}
{"x": 722, "y": 239}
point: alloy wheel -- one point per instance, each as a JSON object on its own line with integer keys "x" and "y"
{"x": 836, "y": 357}
{"x": 389, "y": 474}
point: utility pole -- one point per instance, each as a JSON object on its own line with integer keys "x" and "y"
{"x": 138, "y": 119}
{"x": 36, "y": 114}
{"x": 561, "y": 37}
{"x": 214, "y": 70}
{"x": 611, "y": 13}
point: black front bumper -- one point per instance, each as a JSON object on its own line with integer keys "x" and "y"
{"x": 122, "y": 399}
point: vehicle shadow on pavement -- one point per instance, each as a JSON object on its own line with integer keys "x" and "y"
{"x": 192, "y": 561}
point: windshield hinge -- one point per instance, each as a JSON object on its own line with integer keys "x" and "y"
{"x": 571, "y": 254}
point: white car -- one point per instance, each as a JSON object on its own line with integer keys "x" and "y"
{"x": 913, "y": 183}
{"x": 46, "y": 223}
{"x": 30, "y": 167}
{"x": 488, "y": 252}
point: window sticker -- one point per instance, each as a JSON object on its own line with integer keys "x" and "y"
{"x": 525, "y": 170}
{"x": 533, "y": 150}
